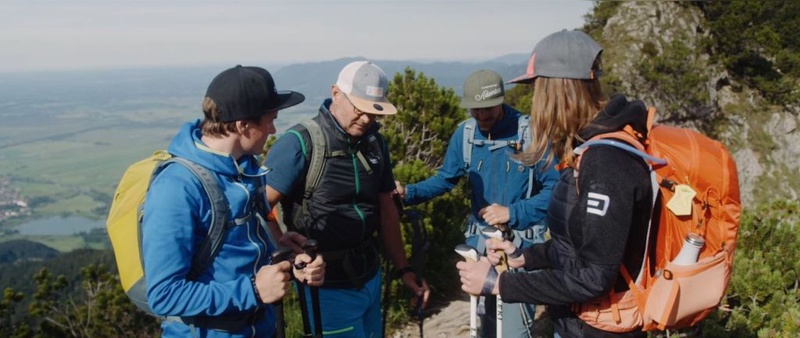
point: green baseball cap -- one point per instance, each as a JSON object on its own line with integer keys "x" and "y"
{"x": 483, "y": 89}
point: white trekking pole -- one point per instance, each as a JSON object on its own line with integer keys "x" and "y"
{"x": 497, "y": 236}
{"x": 471, "y": 255}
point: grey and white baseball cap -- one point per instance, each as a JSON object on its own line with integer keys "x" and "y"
{"x": 565, "y": 54}
{"x": 366, "y": 86}
{"x": 483, "y": 89}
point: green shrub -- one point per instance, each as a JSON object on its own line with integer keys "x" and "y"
{"x": 762, "y": 299}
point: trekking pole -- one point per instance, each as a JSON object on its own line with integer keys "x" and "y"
{"x": 280, "y": 255}
{"x": 497, "y": 235}
{"x": 310, "y": 249}
{"x": 388, "y": 275}
{"x": 420, "y": 246}
{"x": 471, "y": 255}
{"x": 387, "y": 290}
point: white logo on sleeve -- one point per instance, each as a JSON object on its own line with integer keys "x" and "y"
{"x": 597, "y": 204}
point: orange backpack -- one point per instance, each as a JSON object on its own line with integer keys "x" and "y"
{"x": 698, "y": 181}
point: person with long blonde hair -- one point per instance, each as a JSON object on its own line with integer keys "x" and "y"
{"x": 598, "y": 215}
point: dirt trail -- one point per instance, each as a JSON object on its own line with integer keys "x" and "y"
{"x": 449, "y": 321}
{"x": 452, "y": 320}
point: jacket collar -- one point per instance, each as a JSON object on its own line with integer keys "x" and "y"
{"x": 328, "y": 121}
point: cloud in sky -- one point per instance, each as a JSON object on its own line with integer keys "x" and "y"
{"x": 41, "y": 35}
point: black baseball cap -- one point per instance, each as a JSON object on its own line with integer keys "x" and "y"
{"x": 245, "y": 92}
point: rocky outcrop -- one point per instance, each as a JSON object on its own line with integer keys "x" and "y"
{"x": 764, "y": 139}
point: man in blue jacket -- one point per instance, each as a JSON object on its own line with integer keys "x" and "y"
{"x": 505, "y": 193}
{"x": 231, "y": 297}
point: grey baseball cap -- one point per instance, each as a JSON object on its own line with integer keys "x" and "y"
{"x": 366, "y": 86}
{"x": 483, "y": 89}
{"x": 565, "y": 54}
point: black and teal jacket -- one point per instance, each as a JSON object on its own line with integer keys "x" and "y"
{"x": 344, "y": 214}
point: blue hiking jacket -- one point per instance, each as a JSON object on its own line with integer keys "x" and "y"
{"x": 177, "y": 216}
{"x": 494, "y": 175}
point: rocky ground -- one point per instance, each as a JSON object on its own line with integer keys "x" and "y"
{"x": 452, "y": 320}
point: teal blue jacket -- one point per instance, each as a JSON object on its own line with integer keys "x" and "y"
{"x": 494, "y": 175}
{"x": 177, "y": 217}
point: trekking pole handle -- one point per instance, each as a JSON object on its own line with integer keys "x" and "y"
{"x": 469, "y": 253}
{"x": 281, "y": 254}
{"x": 493, "y": 232}
{"x": 310, "y": 249}
{"x": 497, "y": 235}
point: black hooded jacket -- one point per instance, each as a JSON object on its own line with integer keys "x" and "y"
{"x": 595, "y": 226}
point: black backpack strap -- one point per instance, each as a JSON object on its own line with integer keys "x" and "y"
{"x": 220, "y": 214}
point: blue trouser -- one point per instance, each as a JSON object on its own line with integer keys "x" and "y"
{"x": 349, "y": 312}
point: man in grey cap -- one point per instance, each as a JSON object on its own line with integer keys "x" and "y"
{"x": 332, "y": 175}
{"x": 505, "y": 193}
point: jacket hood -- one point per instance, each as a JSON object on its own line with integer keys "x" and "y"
{"x": 618, "y": 113}
{"x": 507, "y": 125}
{"x": 187, "y": 144}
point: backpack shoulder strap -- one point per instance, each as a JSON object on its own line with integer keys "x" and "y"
{"x": 375, "y": 143}
{"x": 319, "y": 149}
{"x": 468, "y": 139}
{"x": 220, "y": 213}
{"x": 524, "y": 140}
{"x": 610, "y": 140}
{"x": 523, "y": 131}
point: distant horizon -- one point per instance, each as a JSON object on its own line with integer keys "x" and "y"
{"x": 88, "y": 35}
{"x": 271, "y": 66}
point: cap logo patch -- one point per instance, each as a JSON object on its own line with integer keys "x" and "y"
{"x": 374, "y": 91}
{"x": 532, "y": 64}
{"x": 488, "y": 93}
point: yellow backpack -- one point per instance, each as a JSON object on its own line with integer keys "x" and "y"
{"x": 125, "y": 218}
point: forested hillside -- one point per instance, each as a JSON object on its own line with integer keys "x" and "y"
{"x": 22, "y": 251}
{"x": 728, "y": 69}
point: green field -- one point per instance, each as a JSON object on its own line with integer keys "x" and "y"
{"x": 78, "y": 172}
{"x": 67, "y": 139}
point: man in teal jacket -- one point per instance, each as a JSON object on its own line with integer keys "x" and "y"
{"x": 505, "y": 193}
{"x": 231, "y": 297}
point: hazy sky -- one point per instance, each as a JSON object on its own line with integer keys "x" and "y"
{"x": 67, "y": 34}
